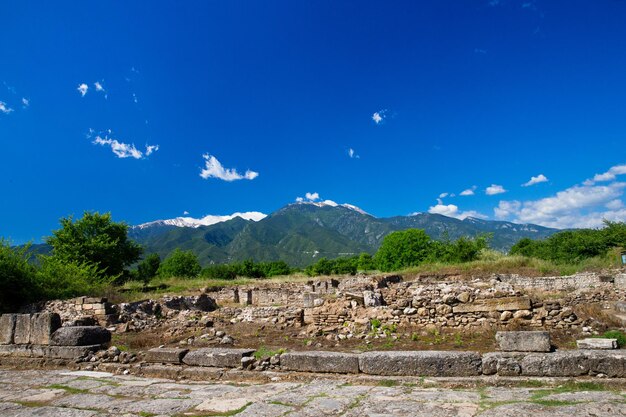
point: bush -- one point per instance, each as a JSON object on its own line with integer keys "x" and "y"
{"x": 403, "y": 249}
{"x": 219, "y": 271}
{"x": 333, "y": 266}
{"x": 148, "y": 268}
{"x": 16, "y": 277}
{"x": 181, "y": 264}
{"x": 57, "y": 279}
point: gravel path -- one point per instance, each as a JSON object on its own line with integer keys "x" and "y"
{"x": 46, "y": 393}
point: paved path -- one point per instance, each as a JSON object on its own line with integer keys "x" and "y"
{"x": 87, "y": 394}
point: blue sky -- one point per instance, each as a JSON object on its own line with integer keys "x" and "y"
{"x": 213, "y": 107}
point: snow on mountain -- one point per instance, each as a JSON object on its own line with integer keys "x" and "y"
{"x": 331, "y": 203}
{"x": 204, "y": 221}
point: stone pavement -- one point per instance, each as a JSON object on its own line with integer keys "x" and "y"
{"x": 57, "y": 393}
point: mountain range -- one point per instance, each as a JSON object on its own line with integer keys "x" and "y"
{"x": 300, "y": 233}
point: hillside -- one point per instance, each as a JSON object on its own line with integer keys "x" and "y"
{"x": 303, "y": 232}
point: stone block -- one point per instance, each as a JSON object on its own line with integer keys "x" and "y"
{"x": 597, "y": 343}
{"x": 80, "y": 336}
{"x": 620, "y": 281}
{"x": 22, "y": 329}
{"x": 558, "y": 364}
{"x": 54, "y": 352}
{"x": 421, "y": 363}
{"x": 217, "y": 357}
{"x": 532, "y": 341}
{"x": 166, "y": 355}
{"x": 610, "y": 363}
{"x": 494, "y": 304}
{"x": 42, "y": 325}
{"x": 343, "y": 363}
{"x": 7, "y": 329}
{"x": 621, "y": 306}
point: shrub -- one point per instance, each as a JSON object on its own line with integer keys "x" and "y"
{"x": 181, "y": 264}
{"x": 57, "y": 279}
{"x": 16, "y": 277}
{"x": 616, "y": 334}
{"x": 219, "y": 271}
{"x": 148, "y": 268}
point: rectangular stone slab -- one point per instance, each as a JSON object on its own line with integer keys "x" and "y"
{"x": 597, "y": 343}
{"x": 217, "y": 357}
{"x": 494, "y": 304}
{"x": 611, "y": 363}
{"x": 7, "y": 329}
{"x": 343, "y": 363}
{"x": 421, "y": 363}
{"x": 566, "y": 364}
{"x": 42, "y": 325}
{"x": 42, "y": 351}
{"x": 22, "y": 329}
{"x": 166, "y": 355}
{"x": 531, "y": 341}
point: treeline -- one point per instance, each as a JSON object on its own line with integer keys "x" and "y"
{"x": 574, "y": 245}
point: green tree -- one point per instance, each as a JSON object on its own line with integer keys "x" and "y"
{"x": 97, "y": 240}
{"x": 16, "y": 277}
{"x": 403, "y": 249}
{"x": 181, "y": 264}
{"x": 148, "y": 268}
{"x": 366, "y": 262}
{"x": 57, "y": 279}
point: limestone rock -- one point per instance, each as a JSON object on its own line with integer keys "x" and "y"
{"x": 421, "y": 363}
{"x": 558, "y": 364}
{"x": 317, "y": 361}
{"x": 596, "y": 343}
{"x": 80, "y": 336}
{"x": 166, "y": 355}
{"x": 42, "y": 326}
{"x": 22, "y": 329}
{"x": 217, "y": 357}
{"x": 7, "y": 329}
{"x": 534, "y": 341}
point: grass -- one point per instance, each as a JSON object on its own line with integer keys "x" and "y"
{"x": 224, "y": 414}
{"x": 67, "y": 389}
{"x": 265, "y": 352}
{"x": 388, "y": 383}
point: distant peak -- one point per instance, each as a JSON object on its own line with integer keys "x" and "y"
{"x": 331, "y": 203}
{"x": 204, "y": 221}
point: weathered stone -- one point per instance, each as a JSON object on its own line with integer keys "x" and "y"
{"x": 346, "y": 363}
{"x": 596, "y": 343}
{"x": 558, "y": 364}
{"x": 506, "y": 315}
{"x": 166, "y": 355}
{"x": 535, "y": 341}
{"x": 522, "y": 314}
{"x": 308, "y": 299}
{"x": 610, "y": 363}
{"x": 55, "y": 352}
{"x": 463, "y": 297}
{"x": 621, "y": 306}
{"x": 7, "y": 329}
{"x": 495, "y": 304}
{"x": 217, "y": 357}
{"x": 620, "y": 281}
{"x": 421, "y": 363}
{"x": 508, "y": 367}
{"x": 372, "y": 299}
{"x": 80, "y": 336}
{"x": 22, "y": 329}
{"x": 42, "y": 326}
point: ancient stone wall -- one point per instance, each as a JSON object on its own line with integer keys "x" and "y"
{"x": 75, "y": 309}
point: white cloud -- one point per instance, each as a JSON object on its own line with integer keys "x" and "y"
{"x": 443, "y": 195}
{"x": 494, "y": 189}
{"x": 535, "y": 180}
{"x": 577, "y": 206}
{"x": 352, "y": 154}
{"x": 452, "y": 210}
{"x": 379, "y": 116}
{"x": 610, "y": 175}
{"x": 185, "y": 213}
{"x": 299, "y": 199}
{"x": 469, "y": 191}
{"x": 98, "y": 86}
{"x": 82, "y": 89}
{"x": 151, "y": 149}
{"x": 312, "y": 196}
{"x": 214, "y": 169}
{"x": 135, "y": 98}
{"x": 4, "y": 108}
{"x": 120, "y": 149}
{"x": 25, "y": 102}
